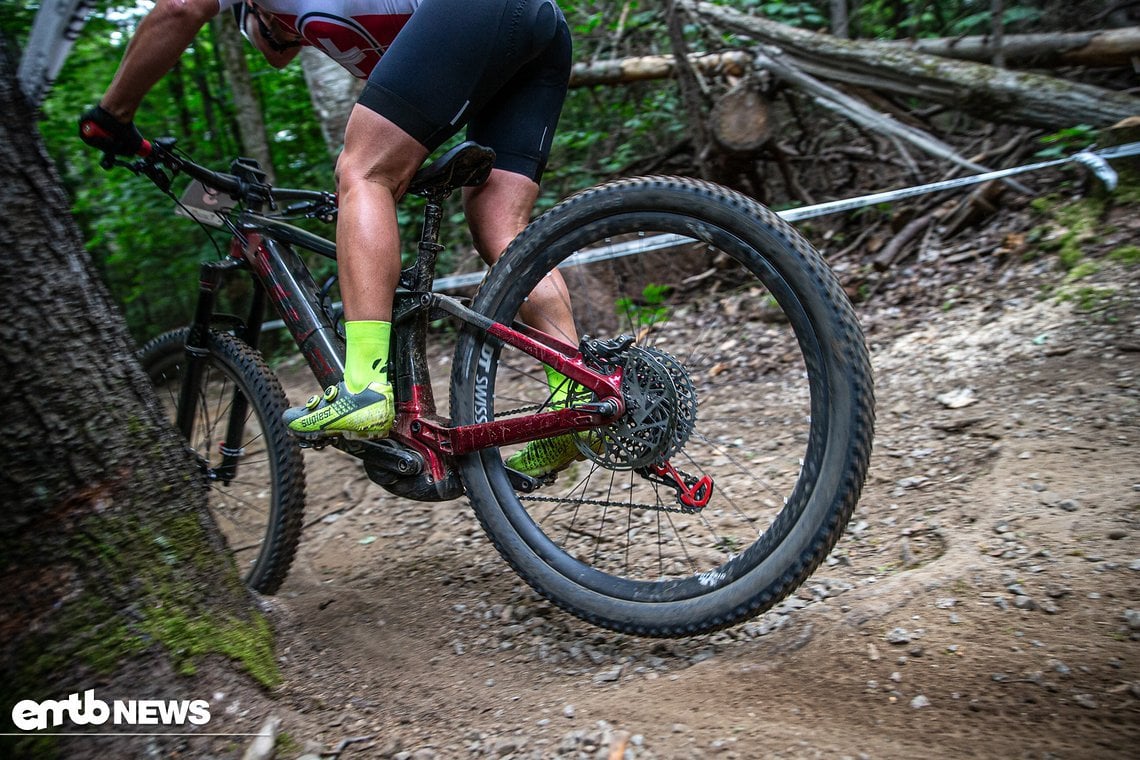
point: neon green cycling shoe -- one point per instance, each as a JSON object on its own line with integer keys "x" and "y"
{"x": 368, "y": 414}
{"x": 546, "y": 456}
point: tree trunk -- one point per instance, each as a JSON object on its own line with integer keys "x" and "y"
{"x": 997, "y": 32}
{"x": 333, "y": 91}
{"x": 247, "y": 108}
{"x": 839, "y": 24}
{"x": 114, "y": 573}
{"x": 987, "y": 92}
{"x": 740, "y": 119}
{"x": 176, "y": 83}
{"x": 691, "y": 94}
{"x": 221, "y": 133}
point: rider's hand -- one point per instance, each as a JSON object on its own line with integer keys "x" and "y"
{"x": 99, "y": 129}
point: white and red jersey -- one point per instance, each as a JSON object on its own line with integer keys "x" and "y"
{"x": 354, "y": 33}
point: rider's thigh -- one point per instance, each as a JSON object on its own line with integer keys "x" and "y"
{"x": 452, "y": 58}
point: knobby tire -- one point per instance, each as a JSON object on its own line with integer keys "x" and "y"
{"x": 260, "y": 510}
{"x": 784, "y": 419}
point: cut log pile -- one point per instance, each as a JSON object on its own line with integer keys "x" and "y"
{"x": 944, "y": 71}
{"x": 891, "y": 93}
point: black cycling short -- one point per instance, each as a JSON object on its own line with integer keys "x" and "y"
{"x": 499, "y": 66}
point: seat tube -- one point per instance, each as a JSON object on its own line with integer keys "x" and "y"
{"x": 411, "y": 374}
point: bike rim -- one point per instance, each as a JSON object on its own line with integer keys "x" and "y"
{"x": 761, "y": 412}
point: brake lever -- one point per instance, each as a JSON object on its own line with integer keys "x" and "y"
{"x": 155, "y": 174}
{"x": 142, "y": 166}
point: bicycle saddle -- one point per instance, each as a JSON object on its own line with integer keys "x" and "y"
{"x": 465, "y": 165}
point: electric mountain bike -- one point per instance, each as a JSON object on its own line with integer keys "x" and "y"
{"x": 720, "y": 391}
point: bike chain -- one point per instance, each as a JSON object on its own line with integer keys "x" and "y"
{"x": 601, "y": 503}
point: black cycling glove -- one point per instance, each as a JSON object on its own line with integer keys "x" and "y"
{"x": 99, "y": 129}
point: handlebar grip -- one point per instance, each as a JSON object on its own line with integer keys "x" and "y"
{"x": 93, "y": 131}
{"x": 109, "y": 159}
{"x": 99, "y": 129}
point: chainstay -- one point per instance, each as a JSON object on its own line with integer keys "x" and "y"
{"x": 595, "y": 502}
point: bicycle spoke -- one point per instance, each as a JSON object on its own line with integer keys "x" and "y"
{"x": 750, "y": 484}
{"x": 744, "y": 370}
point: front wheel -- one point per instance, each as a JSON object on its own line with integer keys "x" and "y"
{"x": 750, "y": 409}
{"x": 254, "y": 468}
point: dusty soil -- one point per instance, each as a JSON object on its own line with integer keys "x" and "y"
{"x": 982, "y": 602}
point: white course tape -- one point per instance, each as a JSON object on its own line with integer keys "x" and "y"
{"x": 1096, "y": 161}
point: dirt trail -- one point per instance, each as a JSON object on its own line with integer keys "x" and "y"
{"x": 982, "y": 603}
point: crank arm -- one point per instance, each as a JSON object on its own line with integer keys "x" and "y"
{"x": 384, "y": 454}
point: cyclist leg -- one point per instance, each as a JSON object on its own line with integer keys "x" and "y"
{"x": 373, "y": 171}
{"x": 519, "y": 125}
{"x": 470, "y": 49}
{"x": 497, "y": 212}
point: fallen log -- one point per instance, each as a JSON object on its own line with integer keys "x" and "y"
{"x": 777, "y": 62}
{"x": 985, "y": 91}
{"x": 1094, "y": 49}
{"x": 1110, "y": 47}
{"x": 624, "y": 70}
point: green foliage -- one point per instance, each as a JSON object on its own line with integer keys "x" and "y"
{"x": 892, "y": 19}
{"x": 1081, "y": 270}
{"x": 1067, "y": 140}
{"x": 1088, "y": 299}
{"x": 649, "y": 309}
{"x": 982, "y": 23}
{"x": 1070, "y": 229}
{"x": 802, "y": 14}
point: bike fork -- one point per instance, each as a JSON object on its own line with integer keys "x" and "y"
{"x": 210, "y": 279}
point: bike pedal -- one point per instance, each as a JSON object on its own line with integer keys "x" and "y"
{"x": 524, "y": 483}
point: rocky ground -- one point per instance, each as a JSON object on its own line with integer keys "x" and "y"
{"x": 985, "y": 600}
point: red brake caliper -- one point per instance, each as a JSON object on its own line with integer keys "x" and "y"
{"x": 692, "y": 492}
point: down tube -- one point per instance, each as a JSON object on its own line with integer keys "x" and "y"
{"x": 297, "y": 300}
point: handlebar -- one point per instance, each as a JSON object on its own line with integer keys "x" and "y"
{"x": 156, "y": 157}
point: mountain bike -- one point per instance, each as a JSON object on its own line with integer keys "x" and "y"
{"x": 720, "y": 395}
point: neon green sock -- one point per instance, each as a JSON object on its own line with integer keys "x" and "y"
{"x": 366, "y": 359}
{"x": 559, "y": 387}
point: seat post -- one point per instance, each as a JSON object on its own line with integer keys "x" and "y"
{"x": 430, "y": 247}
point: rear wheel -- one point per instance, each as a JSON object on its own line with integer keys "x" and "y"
{"x": 257, "y": 492}
{"x": 750, "y": 402}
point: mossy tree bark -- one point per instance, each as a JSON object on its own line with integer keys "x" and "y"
{"x": 111, "y": 562}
